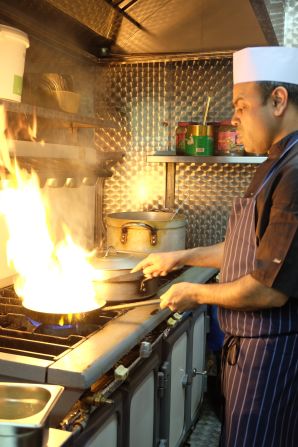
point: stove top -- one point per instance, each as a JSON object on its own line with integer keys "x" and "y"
{"x": 21, "y": 335}
{"x": 76, "y": 356}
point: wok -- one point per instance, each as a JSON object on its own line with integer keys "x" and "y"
{"x": 65, "y": 319}
{"x": 113, "y": 283}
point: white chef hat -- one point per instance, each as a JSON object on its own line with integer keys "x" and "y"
{"x": 277, "y": 64}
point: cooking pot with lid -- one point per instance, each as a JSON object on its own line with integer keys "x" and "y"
{"x": 146, "y": 232}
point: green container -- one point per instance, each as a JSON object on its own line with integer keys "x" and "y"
{"x": 199, "y": 140}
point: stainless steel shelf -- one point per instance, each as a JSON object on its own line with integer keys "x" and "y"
{"x": 214, "y": 159}
{"x": 65, "y": 165}
{"x": 58, "y": 117}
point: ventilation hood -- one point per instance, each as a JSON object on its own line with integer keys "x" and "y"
{"x": 114, "y": 27}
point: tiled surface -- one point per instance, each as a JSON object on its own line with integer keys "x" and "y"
{"x": 207, "y": 430}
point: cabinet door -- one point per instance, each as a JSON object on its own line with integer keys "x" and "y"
{"x": 177, "y": 394}
{"x": 142, "y": 414}
{"x": 198, "y": 362}
{"x": 106, "y": 435}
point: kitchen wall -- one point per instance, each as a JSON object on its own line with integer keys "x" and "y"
{"x": 147, "y": 99}
{"x": 291, "y": 23}
{"x": 144, "y": 98}
{"x": 73, "y": 206}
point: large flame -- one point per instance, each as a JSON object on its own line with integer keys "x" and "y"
{"x": 53, "y": 276}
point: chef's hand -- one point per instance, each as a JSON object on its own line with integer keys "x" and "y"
{"x": 159, "y": 264}
{"x": 180, "y": 297}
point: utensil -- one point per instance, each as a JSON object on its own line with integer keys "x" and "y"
{"x": 206, "y": 110}
{"x": 132, "y": 305}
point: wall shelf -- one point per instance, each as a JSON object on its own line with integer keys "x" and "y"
{"x": 59, "y": 118}
{"x": 166, "y": 158}
{"x": 171, "y": 160}
{"x": 65, "y": 165}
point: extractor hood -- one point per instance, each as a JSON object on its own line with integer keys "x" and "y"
{"x": 126, "y": 27}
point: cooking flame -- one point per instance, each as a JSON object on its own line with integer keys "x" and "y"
{"x": 53, "y": 277}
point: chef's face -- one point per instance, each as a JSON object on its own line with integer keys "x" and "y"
{"x": 253, "y": 118}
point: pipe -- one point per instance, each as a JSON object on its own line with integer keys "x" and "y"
{"x": 124, "y": 14}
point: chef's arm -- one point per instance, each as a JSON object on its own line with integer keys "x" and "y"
{"x": 245, "y": 293}
{"x": 161, "y": 263}
{"x": 211, "y": 256}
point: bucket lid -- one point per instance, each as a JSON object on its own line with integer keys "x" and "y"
{"x": 8, "y": 32}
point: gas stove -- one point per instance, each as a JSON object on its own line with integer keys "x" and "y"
{"x": 75, "y": 356}
{"x": 23, "y": 336}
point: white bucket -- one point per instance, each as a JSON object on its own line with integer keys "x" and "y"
{"x": 13, "y": 45}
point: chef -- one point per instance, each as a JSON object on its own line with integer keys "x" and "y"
{"x": 258, "y": 260}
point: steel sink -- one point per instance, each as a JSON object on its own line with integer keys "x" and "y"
{"x": 24, "y": 410}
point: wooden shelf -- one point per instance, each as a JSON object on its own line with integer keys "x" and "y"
{"x": 59, "y": 118}
{"x": 166, "y": 158}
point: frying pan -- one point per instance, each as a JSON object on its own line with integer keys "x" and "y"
{"x": 113, "y": 280}
{"x": 117, "y": 285}
{"x": 63, "y": 318}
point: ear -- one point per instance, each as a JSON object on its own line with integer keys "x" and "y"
{"x": 279, "y": 99}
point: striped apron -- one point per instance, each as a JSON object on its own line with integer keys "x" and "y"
{"x": 260, "y": 353}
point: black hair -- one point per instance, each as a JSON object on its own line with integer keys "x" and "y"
{"x": 267, "y": 87}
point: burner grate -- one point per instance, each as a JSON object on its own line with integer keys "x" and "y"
{"x": 20, "y": 335}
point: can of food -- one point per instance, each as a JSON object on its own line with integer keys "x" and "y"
{"x": 210, "y": 140}
{"x": 181, "y": 130}
{"x": 199, "y": 140}
{"x": 191, "y": 141}
{"x": 227, "y": 138}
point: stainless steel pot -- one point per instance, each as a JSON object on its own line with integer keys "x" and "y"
{"x": 114, "y": 282}
{"x": 146, "y": 232}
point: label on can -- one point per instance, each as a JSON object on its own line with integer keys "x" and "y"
{"x": 226, "y": 140}
{"x": 181, "y": 130}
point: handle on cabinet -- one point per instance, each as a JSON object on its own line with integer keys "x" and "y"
{"x": 196, "y": 372}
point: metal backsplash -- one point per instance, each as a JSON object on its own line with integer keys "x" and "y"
{"x": 147, "y": 99}
{"x": 291, "y": 21}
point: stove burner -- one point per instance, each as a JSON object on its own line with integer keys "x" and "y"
{"x": 82, "y": 329}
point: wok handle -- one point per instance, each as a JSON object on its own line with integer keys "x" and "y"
{"x": 132, "y": 305}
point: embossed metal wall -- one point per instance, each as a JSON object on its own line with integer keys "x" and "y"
{"x": 291, "y": 22}
{"x": 146, "y": 100}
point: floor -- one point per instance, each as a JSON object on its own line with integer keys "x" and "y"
{"x": 207, "y": 430}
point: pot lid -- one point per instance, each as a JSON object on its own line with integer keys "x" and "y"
{"x": 113, "y": 260}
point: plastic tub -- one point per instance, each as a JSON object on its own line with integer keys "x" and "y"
{"x": 13, "y": 45}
